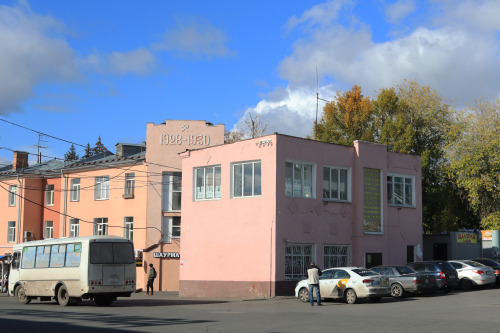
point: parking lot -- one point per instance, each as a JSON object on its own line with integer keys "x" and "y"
{"x": 454, "y": 312}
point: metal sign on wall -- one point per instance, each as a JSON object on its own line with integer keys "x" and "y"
{"x": 172, "y": 255}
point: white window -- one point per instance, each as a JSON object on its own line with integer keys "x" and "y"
{"x": 299, "y": 180}
{"x": 207, "y": 183}
{"x": 172, "y": 191}
{"x": 11, "y": 232}
{"x": 74, "y": 227}
{"x": 246, "y": 179}
{"x": 336, "y": 256}
{"x": 401, "y": 190}
{"x": 49, "y": 229}
{"x": 101, "y": 191}
{"x": 336, "y": 183}
{"x": 129, "y": 227}
{"x": 129, "y": 184}
{"x": 75, "y": 189}
{"x": 49, "y": 195}
{"x": 171, "y": 228}
{"x": 12, "y": 195}
{"x": 297, "y": 259}
{"x": 101, "y": 226}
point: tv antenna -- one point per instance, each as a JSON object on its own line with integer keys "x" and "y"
{"x": 317, "y": 104}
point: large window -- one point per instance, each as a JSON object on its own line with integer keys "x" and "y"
{"x": 101, "y": 226}
{"x": 74, "y": 227}
{"x": 171, "y": 228}
{"x": 11, "y": 232}
{"x": 207, "y": 183}
{"x": 336, "y": 256}
{"x": 49, "y": 229}
{"x": 64, "y": 255}
{"x": 12, "y": 195}
{"x": 246, "y": 179}
{"x": 101, "y": 191}
{"x": 297, "y": 259}
{"x": 129, "y": 184}
{"x": 49, "y": 195}
{"x": 336, "y": 183}
{"x": 75, "y": 189}
{"x": 400, "y": 190}
{"x": 172, "y": 191}
{"x": 129, "y": 227}
{"x": 299, "y": 180}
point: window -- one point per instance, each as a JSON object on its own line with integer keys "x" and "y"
{"x": 75, "y": 189}
{"x": 246, "y": 179}
{"x": 74, "y": 227}
{"x": 299, "y": 180}
{"x": 101, "y": 191}
{"x": 400, "y": 190}
{"x": 49, "y": 195}
{"x": 336, "y": 256}
{"x": 129, "y": 184}
{"x": 11, "y": 232}
{"x": 12, "y": 195}
{"x": 101, "y": 226}
{"x": 171, "y": 228}
{"x": 111, "y": 253}
{"x": 337, "y": 183}
{"x": 129, "y": 227}
{"x": 208, "y": 183}
{"x": 49, "y": 229}
{"x": 172, "y": 191}
{"x": 297, "y": 259}
{"x": 42, "y": 256}
{"x": 57, "y": 254}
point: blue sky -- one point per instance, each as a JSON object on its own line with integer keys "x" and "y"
{"x": 81, "y": 69}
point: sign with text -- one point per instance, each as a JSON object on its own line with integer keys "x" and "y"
{"x": 463, "y": 237}
{"x": 172, "y": 255}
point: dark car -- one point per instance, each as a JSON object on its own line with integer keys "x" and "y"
{"x": 446, "y": 275}
{"x": 493, "y": 264}
{"x": 404, "y": 279}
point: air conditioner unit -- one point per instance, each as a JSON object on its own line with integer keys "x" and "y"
{"x": 28, "y": 235}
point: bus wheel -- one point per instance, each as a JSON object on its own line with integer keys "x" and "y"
{"x": 63, "y": 296}
{"x": 21, "y": 295}
{"x": 103, "y": 300}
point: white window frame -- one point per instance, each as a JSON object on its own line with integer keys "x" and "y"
{"x": 171, "y": 228}
{"x": 336, "y": 255}
{"x": 297, "y": 186}
{"x": 328, "y": 183}
{"x": 297, "y": 259}
{"x": 128, "y": 222}
{"x": 12, "y": 195}
{"x": 75, "y": 189}
{"x": 130, "y": 183}
{"x": 408, "y": 180}
{"x": 172, "y": 191}
{"x": 101, "y": 191}
{"x": 48, "y": 230}
{"x": 204, "y": 191}
{"x": 246, "y": 179}
{"x": 49, "y": 195}
{"x": 11, "y": 232}
{"x": 74, "y": 227}
{"x": 100, "y": 226}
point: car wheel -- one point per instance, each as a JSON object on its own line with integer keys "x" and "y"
{"x": 304, "y": 295}
{"x": 21, "y": 295}
{"x": 397, "y": 290}
{"x": 63, "y": 296}
{"x": 465, "y": 284}
{"x": 350, "y": 296}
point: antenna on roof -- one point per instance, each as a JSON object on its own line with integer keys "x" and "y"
{"x": 317, "y": 104}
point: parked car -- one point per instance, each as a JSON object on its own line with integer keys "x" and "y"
{"x": 347, "y": 283}
{"x": 493, "y": 264}
{"x": 404, "y": 279}
{"x": 473, "y": 274}
{"x": 446, "y": 276}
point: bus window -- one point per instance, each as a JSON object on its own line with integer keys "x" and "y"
{"x": 73, "y": 254}
{"x": 15, "y": 260}
{"x": 111, "y": 253}
{"x": 42, "y": 256}
{"x": 29, "y": 253}
{"x": 58, "y": 253}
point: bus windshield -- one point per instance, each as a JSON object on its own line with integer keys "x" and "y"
{"x": 111, "y": 253}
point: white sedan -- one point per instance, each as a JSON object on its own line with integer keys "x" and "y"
{"x": 347, "y": 283}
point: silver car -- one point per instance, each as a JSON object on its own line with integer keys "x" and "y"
{"x": 403, "y": 279}
{"x": 473, "y": 274}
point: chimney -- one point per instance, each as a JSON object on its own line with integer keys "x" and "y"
{"x": 127, "y": 149}
{"x": 20, "y": 160}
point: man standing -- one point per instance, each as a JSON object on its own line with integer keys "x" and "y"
{"x": 313, "y": 274}
{"x": 151, "y": 279}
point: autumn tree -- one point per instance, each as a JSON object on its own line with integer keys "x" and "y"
{"x": 348, "y": 118}
{"x": 71, "y": 155}
{"x": 88, "y": 151}
{"x": 99, "y": 147}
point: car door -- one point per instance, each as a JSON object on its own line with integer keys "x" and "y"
{"x": 334, "y": 287}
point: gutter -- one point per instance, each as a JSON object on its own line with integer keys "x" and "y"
{"x": 18, "y": 211}
{"x": 65, "y": 199}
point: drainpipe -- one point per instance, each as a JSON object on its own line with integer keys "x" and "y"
{"x": 65, "y": 180}
{"x": 18, "y": 210}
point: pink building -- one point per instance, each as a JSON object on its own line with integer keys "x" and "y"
{"x": 256, "y": 212}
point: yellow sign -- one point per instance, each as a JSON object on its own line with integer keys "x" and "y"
{"x": 466, "y": 238}
{"x": 486, "y": 234}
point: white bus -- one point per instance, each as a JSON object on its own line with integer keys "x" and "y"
{"x": 71, "y": 269}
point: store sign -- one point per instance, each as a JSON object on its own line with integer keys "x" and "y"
{"x": 466, "y": 238}
{"x": 174, "y": 255}
{"x": 486, "y": 234}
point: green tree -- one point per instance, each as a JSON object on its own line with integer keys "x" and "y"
{"x": 71, "y": 154}
{"x": 474, "y": 157}
{"x": 88, "y": 151}
{"x": 348, "y": 118}
{"x": 99, "y": 147}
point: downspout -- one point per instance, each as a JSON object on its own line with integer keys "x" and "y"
{"x": 65, "y": 180}
{"x": 18, "y": 211}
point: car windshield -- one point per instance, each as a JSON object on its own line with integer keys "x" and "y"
{"x": 445, "y": 265}
{"x": 405, "y": 270}
{"x": 364, "y": 272}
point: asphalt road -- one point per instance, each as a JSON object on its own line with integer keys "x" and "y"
{"x": 474, "y": 311}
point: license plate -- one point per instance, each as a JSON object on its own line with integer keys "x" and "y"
{"x": 375, "y": 283}
{"x": 452, "y": 276}
{"x": 384, "y": 283}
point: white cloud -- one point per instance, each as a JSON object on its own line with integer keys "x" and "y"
{"x": 4, "y": 162}
{"x": 139, "y": 62}
{"x": 399, "y": 10}
{"x": 197, "y": 39}
{"x": 321, "y": 14}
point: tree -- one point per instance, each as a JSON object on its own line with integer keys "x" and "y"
{"x": 88, "y": 151}
{"x": 71, "y": 155}
{"x": 474, "y": 157}
{"x": 254, "y": 127}
{"x": 347, "y": 119}
{"x": 232, "y": 136}
{"x": 99, "y": 147}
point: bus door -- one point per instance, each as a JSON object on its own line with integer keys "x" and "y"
{"x": 14, "y": 271}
